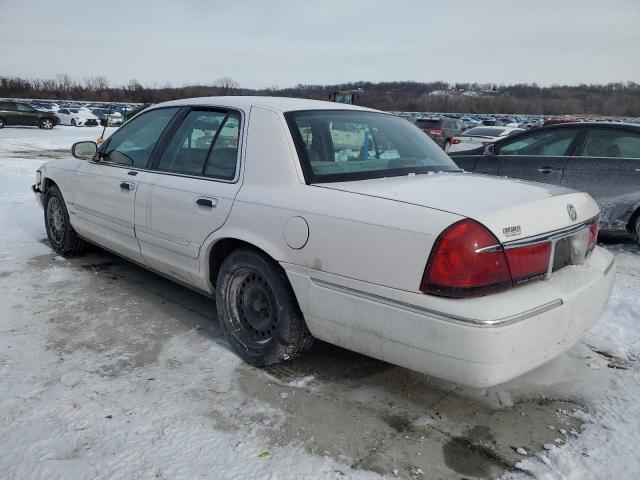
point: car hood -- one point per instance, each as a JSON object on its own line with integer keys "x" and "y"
{"x": 498, "y": 203}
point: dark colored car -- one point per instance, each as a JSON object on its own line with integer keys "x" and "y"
{"x": 441, "y": 130}
{"x": 602, "y": 159}
{"x": 18, "y": 113}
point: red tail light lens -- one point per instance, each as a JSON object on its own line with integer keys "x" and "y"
{"x": 593, "y": 235}
{"x": 436, "y": 132}
{"x": 455, "y": 141}
{"x": 466, "y": 260}
{"x": 528, "y": 262}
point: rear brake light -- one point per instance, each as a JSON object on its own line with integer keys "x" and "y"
{"x": 436, "y": 132}
{"x": 468, "y": 260}
{"x": 593, "y": 235}
{"x": 455, "y": 141}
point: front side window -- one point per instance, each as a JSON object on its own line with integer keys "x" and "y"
{"x": 133, "y": 144}
{"x": 611, "y": 143}
{"x": 548, "y": 143}
{"x": 342, "y": 145}
{"x": 206, "y": 143}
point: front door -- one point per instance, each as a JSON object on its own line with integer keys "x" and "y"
{"x": 540, "y": 156}
{"x": 28, "y": 114}
{"x": 190, "y": 193}
{"x": 106, "y": 189}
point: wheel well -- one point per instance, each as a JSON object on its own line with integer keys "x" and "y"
{"x": 47, "y": 183}
{"x": 221, "y": 249}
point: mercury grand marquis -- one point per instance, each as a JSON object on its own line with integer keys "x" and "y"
{"x": 310, "y": 219}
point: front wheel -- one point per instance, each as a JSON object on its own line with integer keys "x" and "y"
{"x": 73, "y": 122}
{"x": 46, "y": 124}
{"x": 258, "y": 311}
{"x": 61, "y": 234}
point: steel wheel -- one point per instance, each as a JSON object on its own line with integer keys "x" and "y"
{"x": 252, "y": 307}
{"x": 55, "y": 220}
{"x": 47, "y": 124}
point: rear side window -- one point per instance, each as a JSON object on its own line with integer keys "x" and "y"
{"x": 133, "y": 144}
{"x": 611, "y": 143}
{"x": 7, "y": 106}
{"x": 548, "y": 143}
{"x": 206, "y": 143}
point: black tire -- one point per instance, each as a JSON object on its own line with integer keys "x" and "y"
{"x": 1, "y": 122}
{"x": 61, "y": 234}
{"x": 447, "y": 145}
{"x": 637, "y": 230}
{"x": 73, "y": 122}
{"x": 258, "y": 311}
{"x": 46, "y": 124}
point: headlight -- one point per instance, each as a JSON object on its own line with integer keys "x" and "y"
{"x": 38, "y": 177}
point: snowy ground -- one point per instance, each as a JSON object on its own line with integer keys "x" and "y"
{"x": 108, "y": 371}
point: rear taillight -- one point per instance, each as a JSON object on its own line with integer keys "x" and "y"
{"x": 436, "y": 132}
{"x": 468, "y": 260}
{"x": 455, "y": 141}
{"x": 528, "y": 262}
{"x": 593, "y": 235}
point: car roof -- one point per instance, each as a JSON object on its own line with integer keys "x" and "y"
{"x": 278, "y": 104}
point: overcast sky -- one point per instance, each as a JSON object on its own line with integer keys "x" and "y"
{"x": 286, "y": 42}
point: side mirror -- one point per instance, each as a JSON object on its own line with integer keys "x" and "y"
{"x": 84, "y": 150}
{"x": 489, "y": 150}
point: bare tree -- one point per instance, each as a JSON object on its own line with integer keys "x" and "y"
{"x": 226, "y": 85}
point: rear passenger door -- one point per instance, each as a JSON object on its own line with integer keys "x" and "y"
{"x": 539, "y": 156}
{"x": 190, "y": 191}
{"x": 10, "y": 113}
{"x": 607, "y": 166}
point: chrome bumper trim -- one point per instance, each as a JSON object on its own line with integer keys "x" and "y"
{"x": 473, "y": 322}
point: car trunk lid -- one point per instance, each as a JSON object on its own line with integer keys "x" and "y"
{"x": 511, "y": 209}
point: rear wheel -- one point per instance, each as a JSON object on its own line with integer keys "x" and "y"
{"x": 258, "y": 311}
{"x": 447, "y": 145}
{"x": 46, "y": 123}
{"x": 61, "y": 234}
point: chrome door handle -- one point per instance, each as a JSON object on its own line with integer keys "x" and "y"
{"x": 207, "y": 202}
{"x": 127, "y": 185}
{"x": 545, "y": 170}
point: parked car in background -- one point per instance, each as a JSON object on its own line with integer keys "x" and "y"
{"x": 365, "y": 234}
{"x": 441, "y": 130}
{"x": 480, "y": 136}
{"x": 602, "y": 159}
{"x": 77, "y": 117}
{"x": 18, "y": 113}
{"x": 113, "y": 119}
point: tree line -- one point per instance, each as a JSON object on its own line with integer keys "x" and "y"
{"x": 612, "y": 99}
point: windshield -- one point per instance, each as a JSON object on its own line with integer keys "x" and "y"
{"x": 343, "y": 145}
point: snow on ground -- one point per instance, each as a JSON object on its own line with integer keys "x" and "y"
{"x": 97, "y": 383}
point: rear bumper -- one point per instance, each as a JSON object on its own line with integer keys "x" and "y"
{"x": 479, "y": 341}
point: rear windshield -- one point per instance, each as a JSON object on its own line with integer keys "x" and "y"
{"x": 422, "y": 123}
{"x": 484, "y": 131}
{"x": 343, "y": 145}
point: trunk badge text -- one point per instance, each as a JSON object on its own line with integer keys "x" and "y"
{"x": 571, "y": 210}
{"x": 512, "y": 231}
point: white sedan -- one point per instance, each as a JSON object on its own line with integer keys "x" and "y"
{"x": 481, "y": 136}
{"x": 310, "y": 219}
{"x": 77, "y": 117}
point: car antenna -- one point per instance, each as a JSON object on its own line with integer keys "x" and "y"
{"x": 100, "y": 140}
